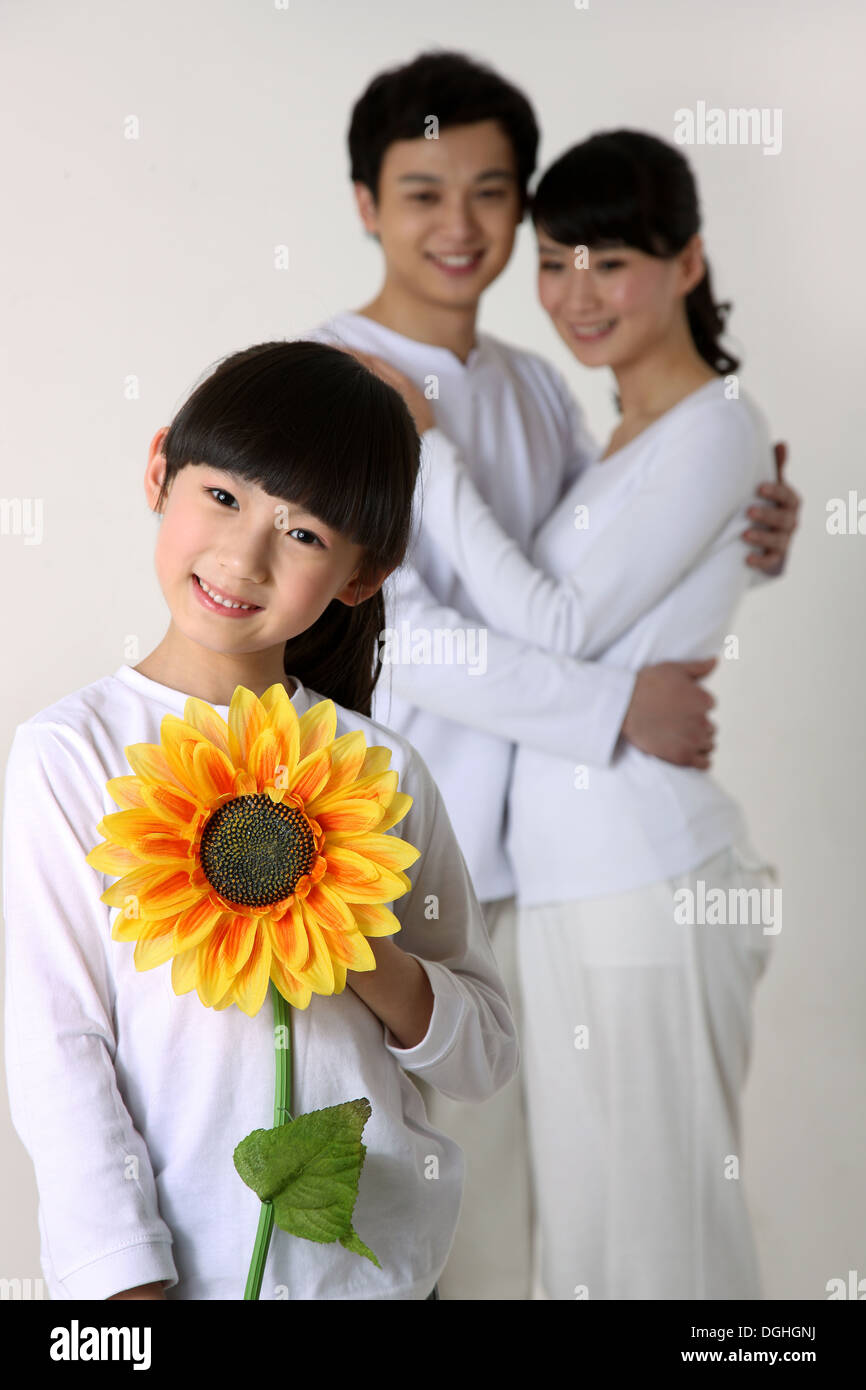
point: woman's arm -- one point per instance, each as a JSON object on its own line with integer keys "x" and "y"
{"x": 702, "y": 472}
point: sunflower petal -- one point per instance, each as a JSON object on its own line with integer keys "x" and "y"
{"x": 112, "y": 859}
{"x": 330, "y": 909}
{"x": 289, "y": 939}
{"x": 317, "y": 727}
{"x": 400, "y": 804}
{"x": 222, "y": 954}
{"x": 247, "y": 718}
{"x": 251, "y": 981}
{"x": 184, "y": 971}
{"x": 165, "y": 848}
{"x": 377, "y": 759}
{"x": 204, "y": 717}
{"x": 179, "y": 739}
{"x": 126, "y": 792}
{"x": 318, "y": 972}
{"x": 311, "y": 774}
{"x": 374, "y": 920}
{"x": 127, "y": 828}
{"x": 265, "y": 758}
{"x": 155, "y": 945}
{"x": 214, "y": 774}
{"x": 386, "y": 850}
{"x": 158, "y": 891}
{"x": 169, "y": 802}
{"x": 347, "y": 759}
{"x": 150, "y": 761}
{"x": 283, "y": 719}
{"x": 357, "y": 879}
{"x": 353, "y": 950}
{"x": 351, "y": 816}
{"x": 197, "y": 922}
{"x": 296, "y": 991}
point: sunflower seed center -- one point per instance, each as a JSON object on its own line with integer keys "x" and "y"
{"x": 254, "y": 850}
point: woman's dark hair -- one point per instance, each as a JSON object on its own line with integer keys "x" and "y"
{"x": 456, "y": 90}
{"x": 312, "y": 425}
{"x": 626, "y": 188}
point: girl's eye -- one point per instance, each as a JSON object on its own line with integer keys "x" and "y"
{"x": 609, "y": 264}
{"x": 311, "y": 535}
{"x": 421, "y": 197}
{"x": 221, "y": 491}
{"x": 550, "y": 265}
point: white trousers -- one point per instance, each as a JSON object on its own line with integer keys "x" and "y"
{"x": 618, "y": 1145}
{"x": 491, "y": 1257}
{"x": 635, "y": 1047}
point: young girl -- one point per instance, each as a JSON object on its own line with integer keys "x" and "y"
{"x": 635, "y": 997}
{"x": 284, "y": 489}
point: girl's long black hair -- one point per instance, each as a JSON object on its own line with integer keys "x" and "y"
{"x": 627, "y": 188}
{"x": 312, "y": 425}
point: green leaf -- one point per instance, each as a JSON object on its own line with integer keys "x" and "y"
{"x": 309, "y": 1168}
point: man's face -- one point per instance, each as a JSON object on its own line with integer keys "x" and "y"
{"x": 447, "y": 212}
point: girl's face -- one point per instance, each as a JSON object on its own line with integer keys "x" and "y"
{"x": 613, "y": 306}
{"x": 249, "y": 547}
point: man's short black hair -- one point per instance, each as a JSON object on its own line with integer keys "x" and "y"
{"x": 456, "y": 90}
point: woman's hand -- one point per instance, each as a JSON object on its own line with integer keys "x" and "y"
{"x": 774, "y": 523}
{"x": 419, "y": 406}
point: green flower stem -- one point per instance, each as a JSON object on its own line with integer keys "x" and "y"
{"x": 282, "y": 1114}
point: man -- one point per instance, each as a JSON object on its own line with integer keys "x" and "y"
{"x": 445, "y": 211}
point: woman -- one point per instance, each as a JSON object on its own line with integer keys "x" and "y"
{"x": 636, "y": 998}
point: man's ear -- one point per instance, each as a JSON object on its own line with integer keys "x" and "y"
{"x": 154, "y": 472}
{"x": 367, "y": 210}
{"x": 353, "y": 593}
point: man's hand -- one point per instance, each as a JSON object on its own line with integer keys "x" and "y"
{"x": 667, "y": 716}
{"x": 418, "y": 404}
{"x": 775, "y": 522}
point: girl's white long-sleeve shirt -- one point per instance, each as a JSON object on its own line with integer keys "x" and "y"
{"x": 461, "y": 690}
{"x": 130, "y": 1099}
{"x": 642, "y": 561}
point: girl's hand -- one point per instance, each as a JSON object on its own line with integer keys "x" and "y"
{"x": 774, "y": 523}
{"x": 415, "y": 399}
{"x": 398, "y": 991}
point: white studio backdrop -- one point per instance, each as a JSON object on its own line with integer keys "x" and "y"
{"x": 150, "y": 257}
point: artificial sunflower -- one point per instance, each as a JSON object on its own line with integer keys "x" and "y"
{"x": 255, "y": 850}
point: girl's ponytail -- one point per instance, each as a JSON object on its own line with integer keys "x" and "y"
{"x": 340, "y": 655}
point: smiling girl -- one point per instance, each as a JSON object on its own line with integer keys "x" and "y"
{"x": 284, "y": 489}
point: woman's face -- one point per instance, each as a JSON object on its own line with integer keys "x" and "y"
{"x": 613, "y": 306}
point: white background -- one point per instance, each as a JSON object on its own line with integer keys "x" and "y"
{"x": 155, "y": 257}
